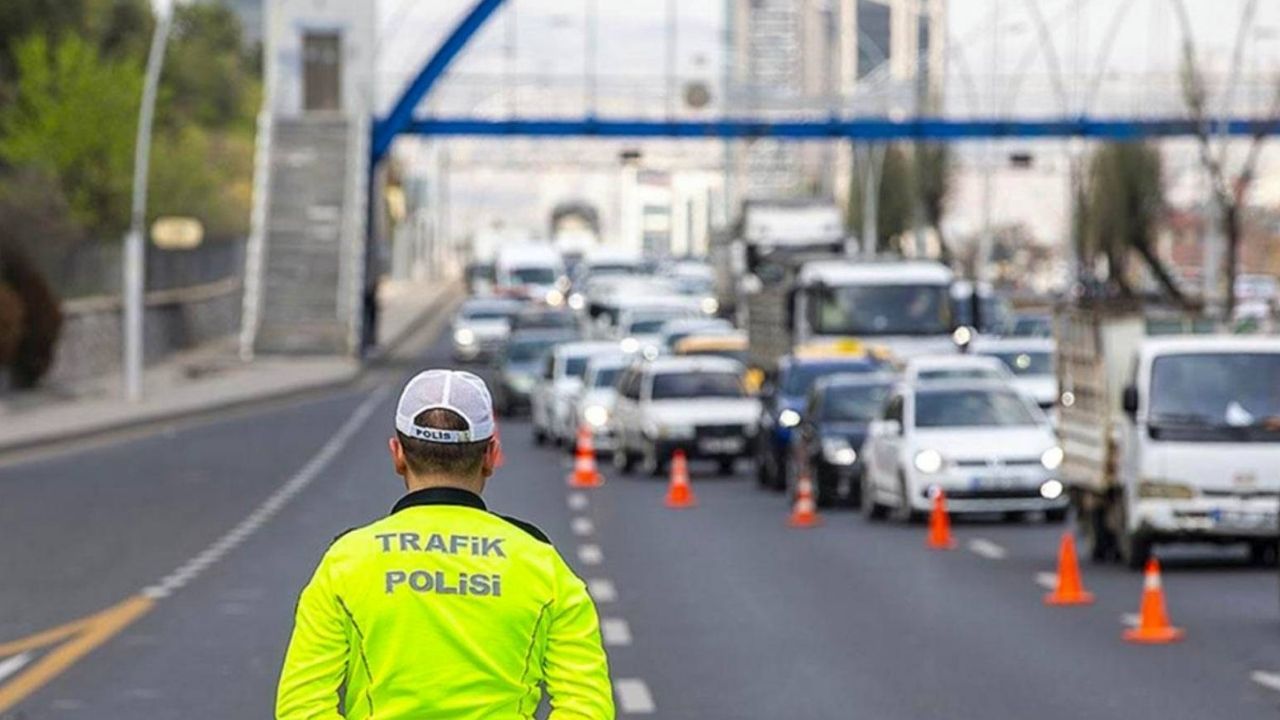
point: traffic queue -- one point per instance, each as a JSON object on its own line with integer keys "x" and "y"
{"x": 862, "y": 378}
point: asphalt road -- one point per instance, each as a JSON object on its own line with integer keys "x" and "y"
{"x": 720, "y": 611}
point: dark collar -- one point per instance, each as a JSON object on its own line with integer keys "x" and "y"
{"x": 440, "y": 496}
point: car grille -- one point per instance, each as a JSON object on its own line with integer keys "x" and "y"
{"x": 993, "y": 494}
{"x": 1016, "y": 462}
{"x": 719, "y": 431}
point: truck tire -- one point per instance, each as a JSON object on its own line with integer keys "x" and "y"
{"x": 1263, "y": 552}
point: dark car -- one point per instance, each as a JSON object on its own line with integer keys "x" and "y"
{"x": 828, "y": 442}
{"x": 519, "y": 364}
{"x": 782, "y": 407}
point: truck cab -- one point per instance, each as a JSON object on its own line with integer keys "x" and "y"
{"x": 1167, "y": 438}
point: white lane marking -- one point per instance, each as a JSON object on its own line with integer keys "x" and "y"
{"x": 634, "y": 697}
{"x": 602, "y": 590}
{"x": 1047, "y": 580}
{"x": 590, "y": 554}
{"x": 615, "y": 631}
{"x": 272, "y": 505}
{"x": 578, "y": 501}
{"x": 14, "y": 664}
{"x": 1130, "y": 619}
{"x": 582, "y": 526}
{"x": 1267, "y": 680}
{"x": 987, "y": 549}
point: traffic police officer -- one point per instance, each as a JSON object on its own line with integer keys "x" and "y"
{"x": 444, "y": 609}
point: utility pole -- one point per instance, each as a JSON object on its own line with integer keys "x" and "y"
{"x": 135, "y": 255}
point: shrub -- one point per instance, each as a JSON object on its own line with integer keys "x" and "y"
{"x": 11, "y": 314}
{"x": 41, "y": 318}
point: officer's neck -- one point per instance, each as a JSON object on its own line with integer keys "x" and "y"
{"x": 414, "y": 482}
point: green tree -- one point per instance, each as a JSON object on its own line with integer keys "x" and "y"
{"x": 931, "y": 174}
{"x": 207, "y": 77}
{"x": 74, "y": 116}
{"x": 1123, "y": 205}
{"x": 894, "y": 198}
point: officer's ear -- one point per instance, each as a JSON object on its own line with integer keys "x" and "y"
{"x": 492, "y": 454}
{"x": 397, "y": 457}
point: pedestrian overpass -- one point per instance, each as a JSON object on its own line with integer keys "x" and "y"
{"x": 311, "y": 267}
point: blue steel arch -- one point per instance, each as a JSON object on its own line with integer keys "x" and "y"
{"x": 401, "y": 118}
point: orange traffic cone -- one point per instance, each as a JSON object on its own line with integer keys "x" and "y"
{"x": 804, "y": 513}
{"x": 679, "y": 492}
{"x": 585, "y": 473}
{"x": 1070, "y": 590}
{"x": 1153, "y": 623}
{"x": 939, "y": 524}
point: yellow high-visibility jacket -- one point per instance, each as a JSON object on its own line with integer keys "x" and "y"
{"x": 444, "y": 610}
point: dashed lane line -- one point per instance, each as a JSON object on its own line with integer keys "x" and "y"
{"x": 602, "y": 590}
{"x": 271, "y": 506}
{"x": 582, "y": 526}
{"x": 590, "y": 554}
{"x": 1047, "y": 580}
{"x": 578, "y": 501}
{"x": 987, "y": 549}
{"x": 1268, "y": 680}
{"x": 634, "y": 697}
{"x": 13, "y": 665}
{"x": 615, "y": 631}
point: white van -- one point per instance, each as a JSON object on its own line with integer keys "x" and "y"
{"x": 531, "y": 271}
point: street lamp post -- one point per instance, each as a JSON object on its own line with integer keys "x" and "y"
{"x": 135, "y": 256}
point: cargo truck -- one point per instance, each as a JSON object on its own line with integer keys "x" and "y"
{"x": 1172, "y": 438}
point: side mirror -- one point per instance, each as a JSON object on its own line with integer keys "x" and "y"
{"x": 1129, "y": 401}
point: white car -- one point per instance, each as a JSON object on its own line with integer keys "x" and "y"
{"x": 639, "y": 327}
{"x": 1031, "y": 362}
{"x": 694, "y": 404}
{"x": 481, "y": 327}
{"x": 594, "y": 403}
{"x": 551, "y": 401}
{"x": 954, "y": 367}
{"x": 980, "y": 441}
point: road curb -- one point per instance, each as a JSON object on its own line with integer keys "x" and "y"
{"x": 148, "y": 419}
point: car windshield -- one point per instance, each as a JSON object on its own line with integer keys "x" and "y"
{"x": 799, "y": 378}
{"x": 606, "y": 377}
{"x": 881, "y": 310}
{"x": 971, "y": 408}
{"x": 959, "y": 373}
{"x": 853, "y": 403}
{"x": 486, "y": 313}
{"x": 525, "y": 350}
{"x": 1216, "y": 396}
{"x": 546, "y": 320}
{"x": 670, "y": 386}
{"x": 1031, "y": 326}
{"x": 694, "y": 285}
{"x": 1028, "y": 363}
{"x": 994, "y": 309}
{"x": 575, "y": 367}
{"x": 533, "y": 275}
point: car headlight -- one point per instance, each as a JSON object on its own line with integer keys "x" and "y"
{"x": 1051, "y": 489}
{"x": 577, "y": 302}
{"x": 629, "y": 345}
{"x": 1165, "y": 490}
{"x": 788, "y": 418}
{"x": 1051, "y": 459}
{"x": 838, "y": 451}
{"x": 464, "y": 336}
{"x": 928, "y": 461}
{"x": 596, "y": 415}
{"x": 554, "y": 298}
{"x": 710, "y": 305}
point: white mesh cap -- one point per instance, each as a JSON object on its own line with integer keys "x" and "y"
{"x": 461, "y": 392}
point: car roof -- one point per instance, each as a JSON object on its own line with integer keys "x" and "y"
{"x": 554, "y": 334}
{"x": 586, "y": 347}
{"x": 610, "y": 359}
{"x": 839, "y": 272}
{"x": 929, "y": 362}
{"x": 942, "y": 385}
{"x": 691, "y": 363}
{"x": 855, "y": 379}
{"x": 1187, "y": 344}
{"x": 732, "y": 340}
{"x": 1013, "y": 344}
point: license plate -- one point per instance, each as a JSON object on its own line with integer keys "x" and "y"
{"x": 715, "y": 446}
{"x": 1242, "y": 520}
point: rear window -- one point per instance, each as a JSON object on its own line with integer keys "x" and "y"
{"x": 575, "y": 367}
{"x": 607, "y": 377}
{"x": 670, "y": 386}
